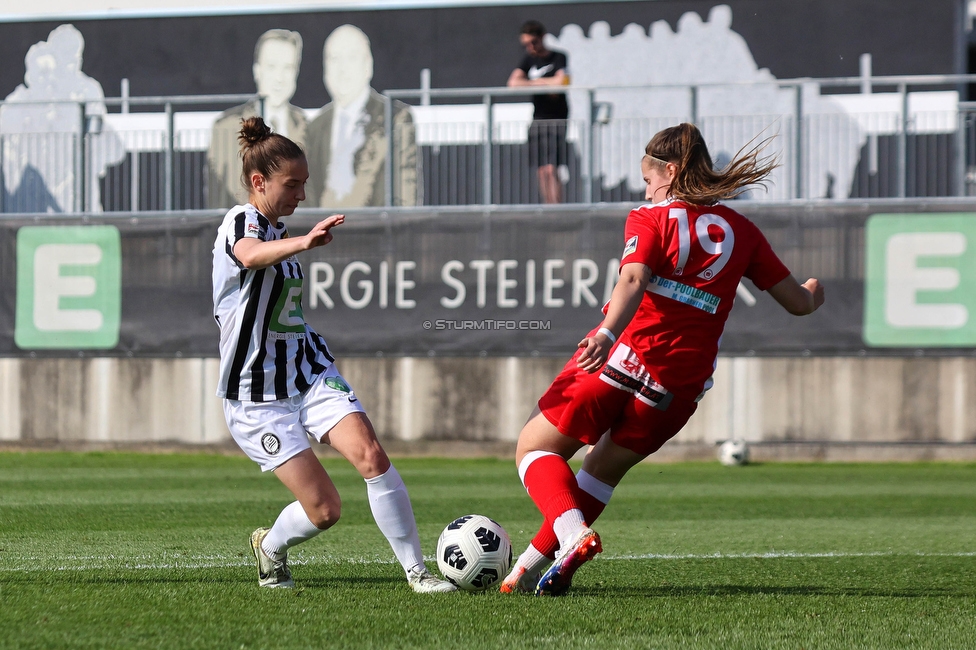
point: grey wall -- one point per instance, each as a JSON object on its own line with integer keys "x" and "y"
{"x": 833, "y": 408}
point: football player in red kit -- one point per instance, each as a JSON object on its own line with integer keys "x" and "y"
{"x": 637, "y": 378}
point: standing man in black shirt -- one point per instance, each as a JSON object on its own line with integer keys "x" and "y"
{"x": 547, "y": 134}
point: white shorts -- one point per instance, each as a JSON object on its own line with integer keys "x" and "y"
{"x": 272, "y": 432}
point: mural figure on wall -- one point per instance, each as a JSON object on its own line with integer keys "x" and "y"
{"x": 702, "y": 52}
{"x": 277, "y": 58}
{"x": 41, "y": 122}
{"x": 347, "y": 141}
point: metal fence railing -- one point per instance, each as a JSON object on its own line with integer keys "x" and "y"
{"x": 94, "y": 156}
{"x": 856, "y": 137}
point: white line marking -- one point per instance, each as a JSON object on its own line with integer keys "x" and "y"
{"x": 781, "y": 554}
{"x": 146, "y": 563}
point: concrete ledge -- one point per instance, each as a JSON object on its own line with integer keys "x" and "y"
{"x": 673, "y": 452}
{"x": 816, "y": 408}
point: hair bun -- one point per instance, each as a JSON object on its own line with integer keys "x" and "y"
{"x": 253, "y": 130}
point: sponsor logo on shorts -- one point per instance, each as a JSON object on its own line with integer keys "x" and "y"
{"x": 630, "y": 246}
{"x": 353, "y": 398}
{"x": 270, "y": 443}
{"x": 625, "y": 371}
{"x": 337, "y": 384}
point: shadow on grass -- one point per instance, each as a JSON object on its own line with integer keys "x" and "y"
{"x": 181, "y": 577}
{"x": 348, "y": 583}
{"x": 76, "y": 577}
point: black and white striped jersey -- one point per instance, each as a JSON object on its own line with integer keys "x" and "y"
{"x": 267, "y": 350}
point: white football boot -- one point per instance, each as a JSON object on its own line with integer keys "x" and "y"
{"x": 424, "y": 582}
{"x": 271, "y": 573}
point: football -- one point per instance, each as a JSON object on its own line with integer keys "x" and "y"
{"x": 733, "y": 452}
{"x": 474, "y": 552}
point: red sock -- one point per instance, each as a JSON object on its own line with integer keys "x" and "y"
{"x": 552, "y": 486}
{"x": 545, "y": 540}
{"x": 591, "y": 506}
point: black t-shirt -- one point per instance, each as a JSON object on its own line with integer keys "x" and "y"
{"x": 547, "y": 107}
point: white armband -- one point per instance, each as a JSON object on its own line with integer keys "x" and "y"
{"x": 607, "y": 333}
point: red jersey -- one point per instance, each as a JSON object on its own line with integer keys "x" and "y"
{"x": 697, "y": 255}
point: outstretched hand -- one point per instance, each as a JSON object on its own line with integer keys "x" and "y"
{"x": 816, "y": 290}
{"x": 595, "y": 350}
{"x": 320, "y": 234}
{"x": 798, "y": 299}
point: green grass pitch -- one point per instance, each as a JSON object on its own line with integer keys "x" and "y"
{"x": 150, "y": 551}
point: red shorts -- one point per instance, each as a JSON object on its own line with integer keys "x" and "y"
{"x": 640, "y": 414}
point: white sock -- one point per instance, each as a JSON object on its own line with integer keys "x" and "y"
{"x": 390, "y": 503}
{"x": 594, "y": 487}
{"x": 290, "y": 528}
{"x": 567, "y": 525}
{"x": 531, "y": 560}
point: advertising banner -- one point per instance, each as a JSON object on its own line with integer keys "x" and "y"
{"x": 483, "y": 282}
{"x": 920, "y": 285}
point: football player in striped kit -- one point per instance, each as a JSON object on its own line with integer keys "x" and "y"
{"x": 636, "y": 379}
{"x": 277, "y": 375}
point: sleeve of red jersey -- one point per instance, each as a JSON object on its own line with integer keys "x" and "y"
{"x": 765, "y": 269}
{"x": 642, "y": 239}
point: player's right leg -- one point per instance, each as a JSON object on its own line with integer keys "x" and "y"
{"x": 317, "y": 509}
{"x": 640, "y": 430}
{"x": 593, "y": 497}
{"x": 542, "y": 455}
{"x": 271, "y": 434}
{"x": 577, "y": 409}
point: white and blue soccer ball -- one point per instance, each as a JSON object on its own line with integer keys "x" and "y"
{"x": 733, "y": 452}
{"x": 474, "y": 552}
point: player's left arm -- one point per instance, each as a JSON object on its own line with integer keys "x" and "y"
{"x": 798, "y": 299}
{"x": 624, "y": 302}
{"x": 254, "y": 254}
{"x": 770, "y": 274}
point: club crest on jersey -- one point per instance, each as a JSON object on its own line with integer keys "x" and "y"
{"x": 270, "y": 443}
{"x": 630, "y": 246}
{"x": 337, "y": 384}
{"x": 253, "y": 230}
